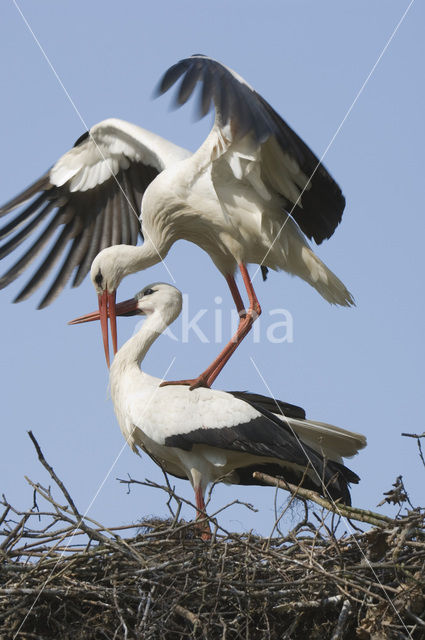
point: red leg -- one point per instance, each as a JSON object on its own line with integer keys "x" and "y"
{"x": 200, "y": 513}
{"x": 237, "y": 298}
{"x": 206, "y": 378}
{"x": 244, "y": 325}
{"x": 254, "y": 305}
{"x": 243, "y": 330}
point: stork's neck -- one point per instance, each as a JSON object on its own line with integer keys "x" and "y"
{"x": 132, "y": 259}
{"x": 134, "y": 350}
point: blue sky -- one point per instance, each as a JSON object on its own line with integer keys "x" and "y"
{"x": 359, "y": 368}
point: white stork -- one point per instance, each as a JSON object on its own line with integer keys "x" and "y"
{"x": 251, "y": 193}
{"x": 208, "y": 435}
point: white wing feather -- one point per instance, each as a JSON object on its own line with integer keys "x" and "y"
{"x": 113, "y": 145}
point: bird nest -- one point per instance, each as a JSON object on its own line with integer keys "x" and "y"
{"x": 71, "y": 577}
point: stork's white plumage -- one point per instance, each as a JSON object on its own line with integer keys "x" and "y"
{"x": 251, "y": 193}
{"x": 207, "y": 435}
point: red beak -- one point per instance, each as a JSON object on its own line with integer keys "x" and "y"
{"x": 108, "y": 307}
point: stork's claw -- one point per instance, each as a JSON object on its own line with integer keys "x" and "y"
{"x": 193, "y": 383}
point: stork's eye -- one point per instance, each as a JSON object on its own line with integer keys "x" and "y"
{"x": 148, "y": 292}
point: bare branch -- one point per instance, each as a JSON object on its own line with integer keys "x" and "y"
{"x": 362, "y": 515}
{"x": 164, "y": 582}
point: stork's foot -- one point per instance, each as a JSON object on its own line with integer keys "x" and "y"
{"x": 206, "y": 535}
{"x": 194, "y": 383}
{"x": 204, "y": 531}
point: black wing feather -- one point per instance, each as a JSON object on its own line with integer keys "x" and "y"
{"x": 19, "y": 220}
{"x": 30, "y": 255}
{"x": 321, "y": 206}
{"x": 94, "y": 233}
{"x": 268, "y": 436}
{"x": 116, "y": 218}
{"x": 272, "y": 405}
{"x": 207, "y": 93}
{"x": 91, "y": 220}
{"x": 75, "y": 255}
{"x": 171, "y": 76}
{"x": 41, "y": 184}
{"x": 133, "y": 228}
{"x": 14, "y": 242}
{"x": 188, "y": 83}
{"x": 47, "y": 264}
{"x": 66, "y": 269}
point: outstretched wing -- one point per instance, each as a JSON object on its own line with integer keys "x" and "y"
{"x": 90, "y": 199}
{"x": 259, "y": 146}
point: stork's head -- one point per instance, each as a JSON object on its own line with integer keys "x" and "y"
{"x": 106, "y": 274}
{"x": 158, "y": 298}
{"x": 109, "y": 267}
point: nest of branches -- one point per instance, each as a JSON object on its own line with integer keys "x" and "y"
{"x": 71, "y": 577}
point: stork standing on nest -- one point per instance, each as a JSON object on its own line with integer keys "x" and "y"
{"x": 208, "y": 435}
{"x": 251, "y": 193}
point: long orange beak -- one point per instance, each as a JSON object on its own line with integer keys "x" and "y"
{"x": 108, "y": 307}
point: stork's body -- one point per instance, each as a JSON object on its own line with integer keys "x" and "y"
{"x": 238, "y": 227}
{"x": 252, "y": 193}
{"x": 207, "y": 435}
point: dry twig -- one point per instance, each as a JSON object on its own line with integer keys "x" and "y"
{"x": 164, "y": 582}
